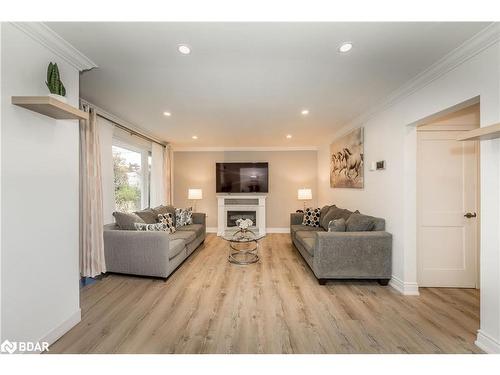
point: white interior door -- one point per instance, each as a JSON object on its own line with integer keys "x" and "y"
{"x": 447, "y": 202}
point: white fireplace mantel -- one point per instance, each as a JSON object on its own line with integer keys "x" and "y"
{"x": 244, "y": 202}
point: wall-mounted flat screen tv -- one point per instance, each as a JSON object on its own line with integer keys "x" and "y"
{"x": 242, "y": 177}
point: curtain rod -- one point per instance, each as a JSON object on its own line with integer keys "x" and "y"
{"x": 132, "y": 132}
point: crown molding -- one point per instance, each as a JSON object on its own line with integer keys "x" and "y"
{"x": 255, "y": 148}
{"x": 47, "y": 37}
{"x": 467, "y": 50}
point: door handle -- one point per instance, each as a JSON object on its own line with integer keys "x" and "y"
{"x": 469, "y": 215}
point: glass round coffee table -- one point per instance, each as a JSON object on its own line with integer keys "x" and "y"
{"x": 243, "y": 246}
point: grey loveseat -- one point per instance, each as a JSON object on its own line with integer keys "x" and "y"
{"x": 343, "y": 255}
{"x": 156, "y": 254}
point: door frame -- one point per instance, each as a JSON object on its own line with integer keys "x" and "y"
{"x": 429, "y": 127}
{"x": 408, "y": 285}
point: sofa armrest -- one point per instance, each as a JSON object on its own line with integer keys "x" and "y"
{"x": 296, "y": 218}
{"x": 137, "y": 252}
{"x": 353, "y": 254}
{"x": 199, "y": 218}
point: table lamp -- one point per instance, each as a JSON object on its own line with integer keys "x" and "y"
{"x": 195, "y": 195}
{"x": 304, "y": 195}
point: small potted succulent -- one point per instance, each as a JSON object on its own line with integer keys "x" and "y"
{"x": 54, "y": 83}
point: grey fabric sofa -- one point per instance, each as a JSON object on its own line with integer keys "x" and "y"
{"x": 155, "y": 254}
{"x": 344, "y": 255}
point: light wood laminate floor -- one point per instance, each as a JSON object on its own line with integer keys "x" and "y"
{"x": 275, "y": 306}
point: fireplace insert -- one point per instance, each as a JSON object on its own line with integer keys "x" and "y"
{"x": 232, "y": 216}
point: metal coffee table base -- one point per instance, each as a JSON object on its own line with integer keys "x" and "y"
{"x": 243, "y": 256}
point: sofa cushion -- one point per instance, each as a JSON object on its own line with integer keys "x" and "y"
{"x": 360, "y": 223}
{"x": 176, "y": 247}
{"x": 333, "y": 213}
{"x": 148, "y": 215}
{"x": 311, "y": 217}
{"x": 322, "y": 213}
{"x": 126, "y": 221}
{"x": 165, "y": 210}
{"x": 299, "y": 227}
{"x": 307, "y": 239}
{"x": 338, "y": 225}
{"x": 197, "y": 228}
{"x": 186, "y": 235}
{"x": 337, "y": 213}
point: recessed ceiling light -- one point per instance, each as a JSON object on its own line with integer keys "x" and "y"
{"x": 184, "y": 49}
{"x": 168, "y": 114}
{"x": 304, "y": 112}
{"x": 288, "y": 136}
{"x": 194, "y": 137}
{"x": 345, "y": 47}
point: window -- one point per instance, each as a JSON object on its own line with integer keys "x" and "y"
{"x": 131, "y": 167}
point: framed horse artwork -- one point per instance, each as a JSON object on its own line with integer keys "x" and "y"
{"x": 347, "y": 161}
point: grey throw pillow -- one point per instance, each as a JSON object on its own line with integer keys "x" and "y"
{"x": 126, "y": 221}
{"x": 329, "y": 216}
{"x": 336, "y": 213}
{"x": 337, "y": 225}
{"x": 359, "y": 223}
{"x": 322, "y": 214}
{"x": 148, "y": 215}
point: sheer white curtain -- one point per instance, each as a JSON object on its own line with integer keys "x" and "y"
{"x": 92, "y": 262}
{"x": 168, "y": 175}
{"x": 161, "y": 175}
{"x": 157, "y": 189}
{"x": 106, "y": 129}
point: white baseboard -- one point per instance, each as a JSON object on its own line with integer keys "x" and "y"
{"x": 487, "y": 343}
{"x": 64, "y": 327}
{"x": 211, "y": 229}
{"x": 405, "y": 288}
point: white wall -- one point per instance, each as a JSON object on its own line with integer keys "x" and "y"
{"x": 39, "y": 193}
{"x": 390, "y": 135}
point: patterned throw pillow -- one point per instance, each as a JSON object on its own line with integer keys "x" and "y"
{"x": 157, "y": 227}
{"x": 167, "y": 221}
{"x": 311, "y": 217}
{"x": 183, "y": 216}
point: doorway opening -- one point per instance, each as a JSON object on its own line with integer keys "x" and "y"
{"x": 448, "y": 201}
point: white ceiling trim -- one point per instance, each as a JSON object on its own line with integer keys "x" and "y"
{"x": 479, "y": 42}
{"x": 256, "y": 148}
{"x": 50, "y": 39}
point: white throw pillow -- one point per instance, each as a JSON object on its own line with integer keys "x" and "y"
{"x": 167, "y": 221}
{"x": 156, "y": 227}
{"x": 311, "y": 217}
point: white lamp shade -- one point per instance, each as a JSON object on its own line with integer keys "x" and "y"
{"x": 304, "y": 194}
{"x": 195, "y": 194}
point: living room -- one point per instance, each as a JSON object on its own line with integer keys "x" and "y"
{"x": 250, "y": 187}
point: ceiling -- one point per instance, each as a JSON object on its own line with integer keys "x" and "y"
{"x": 245, "y": 84}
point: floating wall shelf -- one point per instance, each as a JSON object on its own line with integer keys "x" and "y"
{"x": 481, "y": 134}
{"x": 51, "y": 107}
